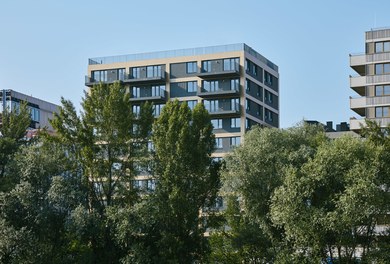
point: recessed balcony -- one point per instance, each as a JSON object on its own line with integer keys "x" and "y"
{"x": 89, "y": 81}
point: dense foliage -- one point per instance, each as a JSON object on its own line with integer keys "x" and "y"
{"x": 291, "y": 196}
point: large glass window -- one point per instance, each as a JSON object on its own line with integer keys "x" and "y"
{"x": 268, "y": 115}
{"x": 382, "y": 111}
{"x": 136, "y": 110}
{"x": 383, "y": 46}
{"x": 136, "y": 92}
{"x": 211, "y": 86}
{"x": 235, "y": 122}
{"x": 217, "y": 123}
{"x": 231, "y": 64}
{"x": 158, "y": 90}
{"x": 235, "y": 84}
{"x": 235, "y": 104}
{"x": 382, "y": 68}
{"x": 235, "y": 141}
{"x": 218, "y": 143}
{"x": 206, "y": 66}
{"x": 136, "y": 72}
{"x": 191, "y": 67}
{"x": 381, "y": 90}
{"x": 121, "y": 74}
{"x": 153, "y": 71}
{"x": 267, "y": 78}
{"x": 192, "y": 87}
{"x": 211, "y": 105}
{"x": 99, "y": 76}
{"x": 157, "y": 109}
{"x": 192, "y": 103}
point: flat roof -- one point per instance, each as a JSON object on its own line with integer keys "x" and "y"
{"x": 182, "y": 53}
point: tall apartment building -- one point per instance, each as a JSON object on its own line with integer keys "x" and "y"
{"x": 373, "y": 80}
{"x": 41, "y": 111}
{"x": 238, "y": 86}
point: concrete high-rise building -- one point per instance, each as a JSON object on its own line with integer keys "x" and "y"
{"x": 238, "y": 86}
{"x": 373, "y": 80}
{"x": 41, "y": 111}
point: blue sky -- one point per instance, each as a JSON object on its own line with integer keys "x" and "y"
{"x": 45, "y": 44}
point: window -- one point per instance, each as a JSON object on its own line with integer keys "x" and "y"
{"x": 217, "y": 159}
{"x": 235, "y": 122}
{"x": 34, "y": 113}
{"x": 235, "y": 84}
{"x": 153, "y": 71}
{"x": 136, "y": 72}
{"x": 218, "y": 143}
{"x": 136, "y": 110}
{"x": 259, "y": 92}
{"x": 151, "y": 185}
{"x": 217, "y": 123}
{"x": 269, "y": 97}
{"x": 191, "y": 67}
{"x": 211, "y": 105}
{"x": 268, "y": 115}
{"x": 211, "y": 86}
{"x": 247, "y": 65}
{"x": 235, "y": 104}
{"x": 99, "y": 76}
{"x": 158, "y": 90}
{"x": 260, "y": 111}
{"x": 235, "y": 141}
{"x": 382, "y": 111}
{"x": 191, "y": 104}
{"x": 231, "y": 64}
{"x": 382, "y": 68}
{"x": 248, "y": 104}
{"x": 121, "y": 74}
{"x": 247, "y": 85}
{"x": 206, "y": 66}
{"x": 381, "y": 90}
{"x": 157, "y": 109}
{"x": 268, "y": 78}
{"x": 382, "y": 46}
{"x": 254, "y": 70}
{"x": 150, "y": 146}
{"x": 136, "y": 92}
{"x": 192, "y": 87}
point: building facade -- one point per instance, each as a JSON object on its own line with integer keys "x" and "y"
{"x": 372, "y": 82}
{"x": 41, "y": 111}
{"x": 238, "y": 86}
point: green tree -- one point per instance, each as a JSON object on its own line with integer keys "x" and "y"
{"x": 187, "y": 182}
{"x": 13, "y": 127}
{"x": 105, "y": 142}
{"x": 253, "y": 172}
{"x": 329, "y": 206}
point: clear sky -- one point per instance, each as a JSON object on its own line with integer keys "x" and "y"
{"x": 45, "y": 44}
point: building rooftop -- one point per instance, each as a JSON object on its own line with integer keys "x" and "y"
{"x": 182, "y": 53}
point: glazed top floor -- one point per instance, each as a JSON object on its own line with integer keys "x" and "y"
{"x": 180, "y": 54}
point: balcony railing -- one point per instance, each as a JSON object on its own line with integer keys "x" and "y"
{"x": 218, "y": 92}
{"x": 159, "y": 94}
{"x": 158, "y": 77}
{"x": 223, "y": 109}
{"x": 355, "y": 124}
{"x": 233, "y": 71}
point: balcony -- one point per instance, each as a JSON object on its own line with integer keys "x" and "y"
{"x": 358, "y": 63}
{"x": 207, "y": 93}
{"x": 234, "y": 72}
{"x": 357, "y": 81}
{"x": 89, "y": 81}
{"x": 149, "y": 95}
{"x": 223, "y": 109}
{"x": 355, "y": 124}
{"x": 358, "y": 105}
{"x": 159, "y": 78}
